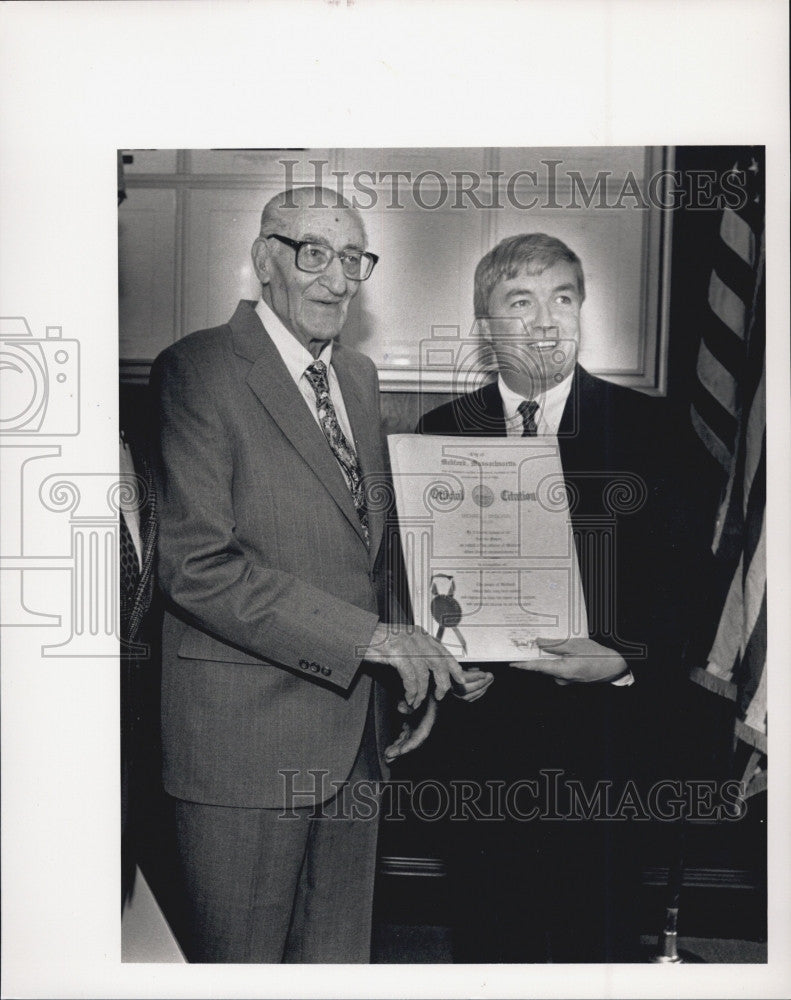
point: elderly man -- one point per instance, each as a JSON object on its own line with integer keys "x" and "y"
{"x": 552, "y": 889}
{"x": 276, "y": 646}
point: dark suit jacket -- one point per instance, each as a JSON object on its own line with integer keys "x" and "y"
{"x": 639, "y": 546}
{"x": 273, "y": 593}
{"x": 139, "y": 652}
{"x": 620, "y": 459}
{"x": 574, "y": 884}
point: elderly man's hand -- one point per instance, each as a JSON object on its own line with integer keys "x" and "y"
{"x": 414, "y": 732}
{"x": 581, "y": 661}
{"x": 418, "y": 658}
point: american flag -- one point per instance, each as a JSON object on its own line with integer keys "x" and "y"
{"x": 729, "y": 415}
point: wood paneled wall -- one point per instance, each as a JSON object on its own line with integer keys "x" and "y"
{"x": 190, "y": 216}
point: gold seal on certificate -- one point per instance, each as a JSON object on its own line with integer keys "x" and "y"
{"x": 488, "y": 544}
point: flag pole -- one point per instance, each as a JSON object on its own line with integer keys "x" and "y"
{"x": 667, "y": 942}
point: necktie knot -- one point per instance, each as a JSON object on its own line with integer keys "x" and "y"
{"x": 316, "y": 374}
{"x": 528, "y": 408}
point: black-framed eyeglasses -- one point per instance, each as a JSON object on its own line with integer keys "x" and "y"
{"x": 316, "y": 257}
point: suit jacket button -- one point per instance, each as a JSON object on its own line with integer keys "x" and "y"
{"x": 326, "y": 671}
{"x": 315, "y": 667}
{"x": 304, "y": 664}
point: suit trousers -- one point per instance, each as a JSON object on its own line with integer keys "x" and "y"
{"x": 291, "y": 885}
{"x": 527, "y": 884}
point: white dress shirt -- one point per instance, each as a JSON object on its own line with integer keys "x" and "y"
{"x": 297, "y": 358}
{"x": 550, "y": 411}
{"x": 550, "y": 408}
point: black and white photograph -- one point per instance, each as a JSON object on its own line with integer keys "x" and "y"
{"x": 393, "y": 539}
{"x": 578, "y": 658}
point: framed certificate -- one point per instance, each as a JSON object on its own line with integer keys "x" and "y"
{"x": 488, "y": 543}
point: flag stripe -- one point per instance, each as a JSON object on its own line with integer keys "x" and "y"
{"x": 727, "y": 305}
{"x": 754, "y": 585}
{"x": 720, "y": 451}
{"x": 737, "y": 234}
{"x": 723, "y": 343}
{"x": 721, "y": 423}
{"x": 756, "y": 439}
{"x": 752, "y": 211}
{"x": 752, "y": 666}
{"x": 726, "y": 651}
{"x": 734, "y": 272}
{"x": 754, "y": 511}
{"x": 754, "y": 401}
{"x": 754, "y": 738}
{"x": 755, "y": 714}
{"x": 712, "y": 681}
{"x": 756, "y": 341}
{"x": 717, "y": 380}
{"x": 732, "y": 521}
{"x": 727, "y": 539}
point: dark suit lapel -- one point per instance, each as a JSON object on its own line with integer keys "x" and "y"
{"x": 580, "y": 438}
{"x": 366, "y": 430}
{"x": 481, "y": 412}
{"x": 570, "y": 421}
{"x": 271, "y": 382}
{"x": 581, "y": 445}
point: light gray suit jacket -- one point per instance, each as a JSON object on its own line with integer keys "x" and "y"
{"x": 273, "y": 593}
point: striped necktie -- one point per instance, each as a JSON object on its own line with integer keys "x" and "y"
{"x": 528, "y": 408}
{"x": 343, "y": 450}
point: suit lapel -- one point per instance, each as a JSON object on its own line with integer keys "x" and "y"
{"x": 493, "y": 407}
{"x": 580, "y": 442}
{"x": 271, "y": 382}
{"x": 481, "y": 412}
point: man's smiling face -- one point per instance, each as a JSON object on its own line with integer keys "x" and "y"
{"x": 312, "y": 306}
{"x": 533, "y": 326}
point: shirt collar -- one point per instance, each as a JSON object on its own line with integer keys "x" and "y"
{"x": 551, "y": 404}
{"x": 296, "y": 356}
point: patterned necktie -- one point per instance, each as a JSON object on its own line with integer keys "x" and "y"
{"x": 130, "y": 576}
{"x": 316, "y": 374}
{"x": 528, "y": 409}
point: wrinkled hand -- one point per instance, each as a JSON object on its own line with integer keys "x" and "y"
{"x": 418, "y": 658}
{"x": 414, "y": 732}
{"x": 578, "y": 661}
{"x": 476, "y": 683}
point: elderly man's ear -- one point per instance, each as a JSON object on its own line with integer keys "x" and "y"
{"x": 261, "y": 259}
